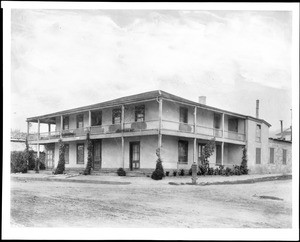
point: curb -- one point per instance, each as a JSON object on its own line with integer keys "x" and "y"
{"x": 69, "y": 180}
{"x": 246, "y": 181}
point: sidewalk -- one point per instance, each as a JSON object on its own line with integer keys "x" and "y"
{"x": 124, "y": 180}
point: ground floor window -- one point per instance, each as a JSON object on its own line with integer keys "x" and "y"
{"x": 66, "y": 153}
{"x": 271, "y": 155}
{"x": 284, "y": 156}
{"x": 258, "y": 156}
{"x": 183, "y": 151}
{"x": 80, "y": 153}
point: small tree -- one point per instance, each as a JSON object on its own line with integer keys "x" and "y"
{"x": 158, "y": 173}
{"x": 89, "y": 164}
{"x": 208, "y": 150}
{"x": 61, "y": 162}
{"x": 244, "y": 167}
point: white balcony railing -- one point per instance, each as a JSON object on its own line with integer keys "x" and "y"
{"x": 138, "y": 127}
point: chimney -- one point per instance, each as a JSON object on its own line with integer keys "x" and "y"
{"x": 257, "y": 108}
{"x": 202, "y": 100}
{"x": 281, "y": 128}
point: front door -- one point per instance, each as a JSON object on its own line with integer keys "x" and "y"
{"x": 97, "y": 155}
{"x": 50, "y": 158}
{"x": 134, "y": 155}
{"x": 218, "y": 154}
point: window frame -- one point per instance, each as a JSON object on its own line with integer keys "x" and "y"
{"x": 96, "y": 115}
{"x": 185, "y": 145}
{"x": 78, "y": 121}
{"x": 230, "y": 125}
{"x": 79, "y": 144}
{"x": 183, "y": 115}
{"x": 67, "y": 154}
{"x": 284, "y": 156}
{"x": 140, "y": 109}
{"x": 116, "y": 112}
{"x": 256, "y": 161}
{"x": 258, "y": 133}
{"x": 272, "y": 155}
{"x": 66, "y": 123}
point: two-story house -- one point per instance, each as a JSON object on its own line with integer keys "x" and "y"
{"x": 127, "y": 131}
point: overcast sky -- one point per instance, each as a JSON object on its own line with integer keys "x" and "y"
{"x": 64, "y": 59}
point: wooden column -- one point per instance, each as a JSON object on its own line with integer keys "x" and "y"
{"x": 49, "y": 129}
{"x": 195, "y": 132}
{"x": 223, "y": 125}
{"x": 61, "y": 125}
{"x": 123, "y": 140}
{"x": 160, "y": 123}
{"x": 38, "y": 138}
{"x": 222, "y": 153}
{"x": 90, "y": 118}
{"x": 28, "y": 127}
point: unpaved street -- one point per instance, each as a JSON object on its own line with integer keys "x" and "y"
{"x": 156, "y": 205}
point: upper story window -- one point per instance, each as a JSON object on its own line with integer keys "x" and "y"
{"x": 79, "y": 120}
{"x": 116, "y": 116}
{"x": 217, "y": 121}
{"x": 258, "y": 133}
{"x": 96, "y": 118}
{"x": 66, "y": 123}
{"x": 140, "y": 113}
{"x": 233, "y": 124}
{"x": 183, "y": 116}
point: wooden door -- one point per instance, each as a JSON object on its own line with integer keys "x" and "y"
{"x": 50, "y": 158}
{"x": 134, "y": 155}
{"x": 97, "y": 147}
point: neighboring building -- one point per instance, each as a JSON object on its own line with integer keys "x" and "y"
{"x": 127, "y": 131}
{"x": 285, "y": 134}
{"x": 17, "y": 142}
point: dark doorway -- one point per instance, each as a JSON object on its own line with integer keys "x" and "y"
{"x": 97, "y": 148}
{"x": 134, "y": 154}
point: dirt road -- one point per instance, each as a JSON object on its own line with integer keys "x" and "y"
{"x": 63, "y": 204}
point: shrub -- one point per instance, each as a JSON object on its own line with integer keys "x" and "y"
{"x": 89, "y": 164}
{"x": 228, "y": 171}
{"x": 121, "y": 172}
{"x": 167, "y": 173}
{"x": 158, "y": 173}
{"x": 61, "y": 160}
{"x": 18, "y": 162}
{"x": 181, "y": 173}
{"x": 203, "y": 170}
{"x": 217, "y": 171}
{"x": 42, "y": 166}
{"x": 174, "y": 173}
{"x": 237, "y": 170}
{"x": 190, "y": 171}
{"x": 244, "y": 169}
{"x": 210, "y": 171}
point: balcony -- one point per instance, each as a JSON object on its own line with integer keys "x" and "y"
{"x": 135, "y": 127}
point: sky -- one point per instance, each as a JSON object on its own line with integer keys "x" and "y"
{"x": 62, "y": 59}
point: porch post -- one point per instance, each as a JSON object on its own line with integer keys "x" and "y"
{"x": 123, "y": 141}
{"x": 223, "y": 125}
{"x": 38, "y": 138}
{"x": 90, "y": 118}
{"x": 222, "y": 153}
{"x": 195, "y": 132}
{"x": 160, "y": 123}
{"x": 28, "y": 126}
{"x": 61, "y": 125}
{"x": 49, "y": 129}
